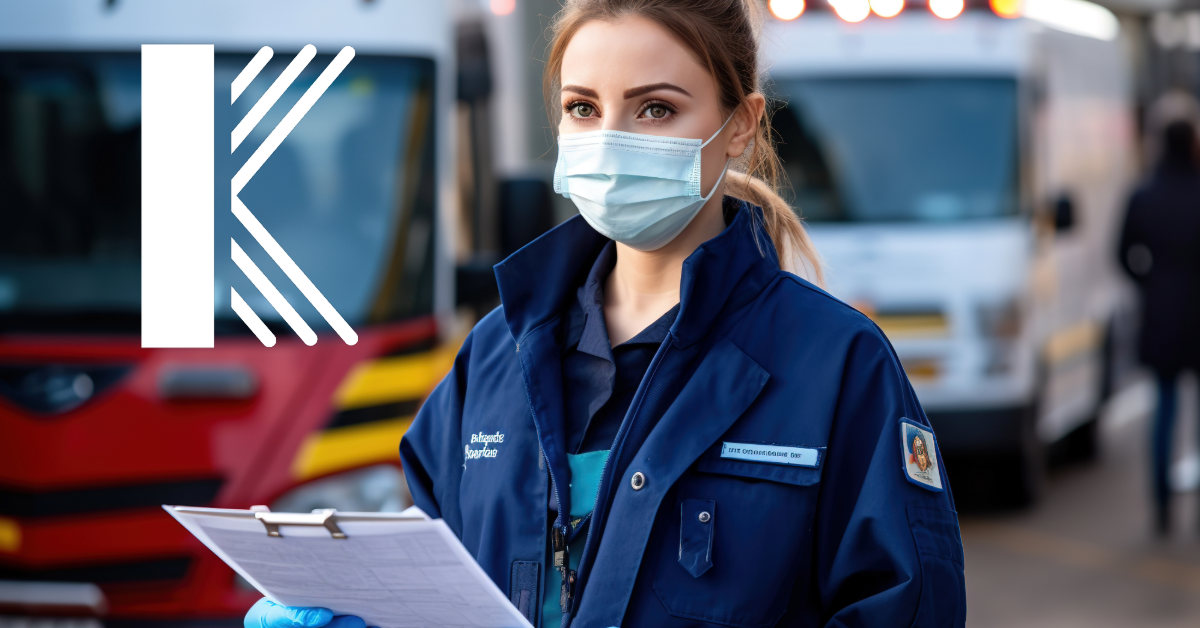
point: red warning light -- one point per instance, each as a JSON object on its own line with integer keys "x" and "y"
{"x": 786, "y": 10}
{"x": 1007, "y": 8}
{"x": 946, "y": 9}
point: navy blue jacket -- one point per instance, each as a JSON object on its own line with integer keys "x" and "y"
{"x": 755, "y": 356}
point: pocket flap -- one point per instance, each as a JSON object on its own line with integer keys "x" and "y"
{"x": 936, "y": 533}
{"x": 697, "y": 517}
{"x": 797, "y": 474}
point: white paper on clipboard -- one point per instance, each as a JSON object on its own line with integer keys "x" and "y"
{"x": 393, "y": 570}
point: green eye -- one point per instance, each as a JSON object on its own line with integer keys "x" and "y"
{"x": 584, "y": 111}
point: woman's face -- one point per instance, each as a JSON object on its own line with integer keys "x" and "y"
{"x": 633, "y": 76}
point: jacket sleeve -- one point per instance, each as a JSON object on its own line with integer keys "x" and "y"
{"x": 1130, "y": 235}
{"x": 889, "y": 552}
{"x": 431, "y": 450}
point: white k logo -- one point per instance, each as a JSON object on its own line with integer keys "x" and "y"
{"x": 177, "y": 202}
{"x": 248, "y": 170}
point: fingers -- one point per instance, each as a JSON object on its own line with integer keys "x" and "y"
{"x": 305, "y": 617}
{"x": 267, "y": 614}
{"x": 347, "y": 621}
{"x": 256, "y": 617}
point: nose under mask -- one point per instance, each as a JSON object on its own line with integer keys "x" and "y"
{"x": 640, "y": 190}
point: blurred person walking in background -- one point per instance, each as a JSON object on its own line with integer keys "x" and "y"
{"x": 1160, "y": 249}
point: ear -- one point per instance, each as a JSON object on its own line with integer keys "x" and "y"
{"x": 745, "y": 124}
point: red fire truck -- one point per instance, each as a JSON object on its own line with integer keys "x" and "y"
{"x": 97, "y": 432}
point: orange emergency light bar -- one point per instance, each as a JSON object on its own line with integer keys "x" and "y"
{"x": 853, "y": 11}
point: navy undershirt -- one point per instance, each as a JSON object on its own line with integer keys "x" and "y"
{"x": 599, "y": 380}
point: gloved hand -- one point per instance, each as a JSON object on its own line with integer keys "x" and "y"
{"x": 267, "y": 614}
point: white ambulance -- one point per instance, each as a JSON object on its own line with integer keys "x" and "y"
{"x": 963, "y": 171}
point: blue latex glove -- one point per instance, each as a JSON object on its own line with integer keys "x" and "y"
{"x": 267, "y": 614}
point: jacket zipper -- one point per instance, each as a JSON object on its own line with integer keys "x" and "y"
{"x": 562, "y": 559}
{"x": 605, "y": 481}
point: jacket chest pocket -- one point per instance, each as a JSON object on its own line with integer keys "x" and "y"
{"x": 736, "y": 541}
{"x": 696, "y": 535}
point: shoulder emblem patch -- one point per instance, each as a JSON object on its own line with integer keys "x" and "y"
{"x": 918, "y": 451}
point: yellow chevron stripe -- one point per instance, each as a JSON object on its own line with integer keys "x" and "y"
{"x": 389, "y": 380}
{"x": 1071, "y": 341}
{"x": 349, "y": 447}
{"x": 372, "y": 383}
{"x": 10, "y": 535}
{"x": 911, "y": 325}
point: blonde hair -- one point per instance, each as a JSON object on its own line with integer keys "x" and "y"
{"x": 723, "y": 34}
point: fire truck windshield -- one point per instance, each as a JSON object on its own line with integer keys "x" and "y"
{"x": 900, "y": 149}
{"x": 349, "y": 194}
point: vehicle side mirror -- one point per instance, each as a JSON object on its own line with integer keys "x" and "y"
{"x": 526, "y": 212}
{"x": 526, "y": 208}
{"x": 475, "y": 284}
{"x": 1064, "y": 214}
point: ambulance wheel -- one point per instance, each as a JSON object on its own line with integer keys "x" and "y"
{"x": 1079, "y": 446}
{"x": 1028, "y": 480}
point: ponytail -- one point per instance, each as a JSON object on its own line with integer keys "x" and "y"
{"x": 794, "y": 248}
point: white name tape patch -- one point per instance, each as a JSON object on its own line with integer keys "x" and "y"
{"x": 777, "y": 454}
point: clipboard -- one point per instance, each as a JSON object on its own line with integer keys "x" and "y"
{"x": 395, "y": 570}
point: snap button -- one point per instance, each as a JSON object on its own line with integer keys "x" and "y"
{"x": 637, "y": 481}
{"x": 704, "y": 517}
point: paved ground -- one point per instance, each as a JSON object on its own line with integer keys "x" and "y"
{"x": 1085, "y": 556}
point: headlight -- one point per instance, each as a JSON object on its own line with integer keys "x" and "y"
{"x": 381, "y": 488}
{"x": 1000, "y": 321}
{"x": 1000, "y": 325}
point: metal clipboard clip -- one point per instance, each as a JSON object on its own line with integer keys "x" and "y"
{"x": 323, "y": 518}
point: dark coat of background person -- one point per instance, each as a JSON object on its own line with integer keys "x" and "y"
{"x": 1163, "y": 220}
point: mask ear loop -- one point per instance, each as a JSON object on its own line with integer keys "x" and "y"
{"x": 696, "y": 167}
{"x": 719, "y": 179}
{"x": 714, "y": 135}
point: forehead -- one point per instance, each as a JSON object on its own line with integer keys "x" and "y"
{"x": 629, "y": 52}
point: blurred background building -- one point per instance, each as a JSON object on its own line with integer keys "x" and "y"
{"x": 963, "y": 166}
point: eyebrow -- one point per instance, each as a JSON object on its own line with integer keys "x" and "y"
{"x": 634, "y": 92}
{"x": 582, "y": 91}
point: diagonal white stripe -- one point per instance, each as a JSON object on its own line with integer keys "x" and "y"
{"x": 293, "y": 271}
{"x": 250, "y": 318}
{"x": 290, "y": 120}
{"x": 273, "y": 296}
{"x": 264, "y": 104}
{"x": 248, "y": 73}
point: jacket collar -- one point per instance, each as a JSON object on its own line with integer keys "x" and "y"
{"x": 720, "y": 275}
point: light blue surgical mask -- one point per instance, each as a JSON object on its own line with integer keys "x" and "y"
{"x": 640, "y": 190}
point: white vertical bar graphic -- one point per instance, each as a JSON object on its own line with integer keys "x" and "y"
{"x": 177, "y": 195}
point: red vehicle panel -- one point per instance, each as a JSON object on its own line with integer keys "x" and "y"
{"x": 83, "y": 488}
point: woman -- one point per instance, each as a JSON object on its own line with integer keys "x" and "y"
{"x": 662, "y": 426}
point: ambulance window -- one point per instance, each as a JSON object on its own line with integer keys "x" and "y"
{"x": 70, "y": 217}
{"x": 350, "y": 194}
{"x": 900, "y": 149}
